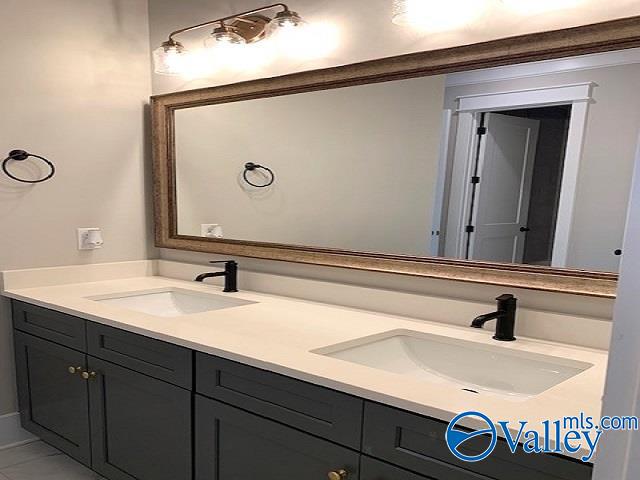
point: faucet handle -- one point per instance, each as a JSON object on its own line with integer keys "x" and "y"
{"x": 232, "y": 262}
{"x": 505, "y": 297}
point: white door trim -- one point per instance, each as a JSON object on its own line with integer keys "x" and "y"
{"x": 568, "y": 189}
{"x": 544, "y": 96}
{"x": 438, "y": 204}
{"x": 578, "y": 96}
{"x": 461, "y": 172}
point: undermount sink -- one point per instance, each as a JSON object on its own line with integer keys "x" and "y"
{"x": 472, "y": 366}
{"x": 170, "y": 302}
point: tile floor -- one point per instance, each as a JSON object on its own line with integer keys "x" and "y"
{"x": 39, "y": 461}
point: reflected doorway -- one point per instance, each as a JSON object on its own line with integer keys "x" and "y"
{"x": 516, "y": 183}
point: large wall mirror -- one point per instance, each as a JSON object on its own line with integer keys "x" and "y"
{"x": 478, "y": 174}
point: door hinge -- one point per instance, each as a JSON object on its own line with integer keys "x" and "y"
{"x": 482, "y": 130}
{"x": 470, "y": 229}
{"x": 475, "y": 179}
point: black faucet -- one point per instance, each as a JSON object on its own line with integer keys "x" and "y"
{"x": 506, "y": 315}
{"x": 230, "y": 275}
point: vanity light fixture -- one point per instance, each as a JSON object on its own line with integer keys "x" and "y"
{"x": 239, "y": 29}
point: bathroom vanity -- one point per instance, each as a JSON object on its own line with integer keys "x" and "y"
{"x": 496, "y": 149}
{"x": 177, "y": 392}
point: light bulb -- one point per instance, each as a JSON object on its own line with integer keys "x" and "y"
{"x": 224, "y": 35}
{"x": 285, "y": 21}
{"x": 169, "y": 58}
{"x": 296, "y": 39}
{"x": 436, "y": 15}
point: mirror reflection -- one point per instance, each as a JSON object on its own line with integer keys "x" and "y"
{"x": 527, "y": 164}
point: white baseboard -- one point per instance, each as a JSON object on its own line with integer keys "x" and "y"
{"x": 11, "y": 433}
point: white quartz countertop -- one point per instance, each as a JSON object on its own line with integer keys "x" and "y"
{"x": 280, "y": 333}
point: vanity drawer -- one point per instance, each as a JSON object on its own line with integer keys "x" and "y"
{"x": 58, "y": 327}
{"x": 316, "y": 410}
{"x": 372, "y": 469}
{"x": 154, "y": 358}
{"x": 418, "y": 444}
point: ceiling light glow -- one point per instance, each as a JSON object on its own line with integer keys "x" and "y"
{"x": 437, "y": 15}
{"x": 308, "y": 41}
{"x": 527, "y": 7}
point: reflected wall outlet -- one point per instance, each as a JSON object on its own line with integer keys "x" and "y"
{"x": 211, "y": 230}
{"x": 89, "y": 238}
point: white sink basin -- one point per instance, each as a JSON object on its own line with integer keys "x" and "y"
{"x": 471, "y": 366}
{"x": 170, "y": 302}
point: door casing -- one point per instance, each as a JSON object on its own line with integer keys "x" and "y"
{"x": 469, "y": 109}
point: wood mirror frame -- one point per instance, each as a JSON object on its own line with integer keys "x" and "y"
{"x": 601, "y": 37}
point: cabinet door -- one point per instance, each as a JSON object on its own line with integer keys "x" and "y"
{"x": 140, "y": 426}
{"x": 232, "y": 444}
{"x": 53, "y": 397}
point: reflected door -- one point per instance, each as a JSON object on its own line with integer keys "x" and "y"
{"x": 501, "y": 203}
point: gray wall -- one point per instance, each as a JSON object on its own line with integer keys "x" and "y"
{"x": 74, "y": 86}
{"x": 355, "y": 167}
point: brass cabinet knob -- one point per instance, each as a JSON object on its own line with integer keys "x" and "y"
{"x": 338, "y": 475}
{"x": 88, "y": 375}
{"x": 74, "y": 370}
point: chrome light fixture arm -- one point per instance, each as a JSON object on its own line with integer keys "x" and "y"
{"x": 237, "y": 16}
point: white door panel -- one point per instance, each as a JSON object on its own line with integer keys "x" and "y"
{"x": 501, "y": 205}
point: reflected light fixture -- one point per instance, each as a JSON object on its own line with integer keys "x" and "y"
{"x": 436, "y": 15}
{"x": 234, "y": 30}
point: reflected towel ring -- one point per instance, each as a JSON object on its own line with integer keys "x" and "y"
{"x": 250, "y": 167}
{"x": 21, "y": 155}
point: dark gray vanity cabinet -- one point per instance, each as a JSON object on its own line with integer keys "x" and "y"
{"x": 232, "y": 444}
{"x": 140, "y": 426}
{"x": 372, "y": 469}
{"x": 58, "y": 327}
{"x": 53, "y": 398}
{"x": 418, "y": 444}
{"x": 319, "y": 411}
{"x": 136, "y": 408}
{"x": 102, "y": 398}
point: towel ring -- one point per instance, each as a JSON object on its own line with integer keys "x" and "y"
{"x": 21, "y": 155}
{"x": 250, "y": 167}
